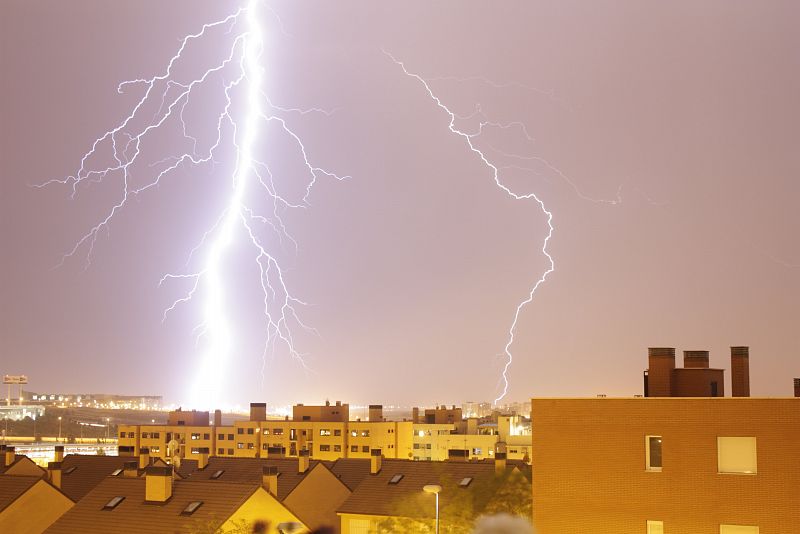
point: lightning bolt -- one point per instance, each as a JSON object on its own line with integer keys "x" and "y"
{"x": 495, "y": 170}
{"x": 120, "y": 155}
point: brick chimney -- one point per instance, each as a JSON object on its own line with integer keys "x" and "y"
{"x": 695, "y": 359}
{"x": 375, "y": 461}
{"x": 11, "y": 454}
{"x": 130, "y": 469}
{"x": 144, "y": 457}
{"x": 740, "y": 371}
{"x": 2, "y": 455}
{"x": 661, "y": 362}
{"x": 217, "y": 417}
{"x": 54, "y": 471}
{"x": 258, "y": 411}
{"x": 415, "y": 415}
{"x": 797, "y": 387}
{"x": 499, "y": 463}
{"x": 303, "y": 461}
{"x": 59, "y": 453}
{"x": 376, "y": 412}
{"x": 158, "y": 483}
{"x": 269, "y": 479}
{"x": 202, "y": 458}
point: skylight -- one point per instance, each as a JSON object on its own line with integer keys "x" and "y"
{"x": 465, "y": 482}
{"x": 192, "y": 507}
{"x": 217, "y": 474}
{"x": 70, "y": 470}
{"x": 395, "y": 479}
{"x": 113, "y": 503}
{"x": 115, "y": 472}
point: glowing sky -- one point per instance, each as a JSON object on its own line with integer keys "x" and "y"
{"x": 414, "y": 266}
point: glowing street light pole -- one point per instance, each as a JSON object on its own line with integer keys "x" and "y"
{"x": 59, "y": 429}
{"x": 435, "y": 489}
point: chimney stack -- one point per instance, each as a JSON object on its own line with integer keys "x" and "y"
{"x": 661, "y": 362}
{"x": 144, "y": 457}
{"x": 59, "y": 453}
{"x": 415, "y": 415}
{"x": 202, "y": 458}
{"x": 797, "y": 387}
{"x": 258, "y": 411}
{"x": 302, "y": 461}
{"x": 376, "y": 412}
{"x": 740, "y": 371}
{"x": 499, "y": 463}
{"x": 158, "y": 483}
{"x": 130, "y": 469}
{"x": 375, "y": 461}
{"x": 2, "y": 455}
{"x": 269, "y": 479}
{"x": 695, "y": 359}
{"x": 11, "y": 454}
{"x": 54, "y": 470}
{"x": 217, "y": 417}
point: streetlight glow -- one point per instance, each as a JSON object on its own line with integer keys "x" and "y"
{"x": 435, "y": 489}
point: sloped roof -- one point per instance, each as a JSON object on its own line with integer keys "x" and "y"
{"x": 88, "y": 472}
{"x": 134, "y": 515}
{"x": 249, "y": 470}
{"x": 12, "y": 487}
{"x": 351, "y": 471}
{"x": 375, "y": 496}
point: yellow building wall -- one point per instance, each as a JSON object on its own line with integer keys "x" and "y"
{"x": 588, "y": 457}
{"x": 35, "y": 510}
{"x": 261, "y": 506}
{"x": 317, "y": 497}
{"x": 356, "y": 523}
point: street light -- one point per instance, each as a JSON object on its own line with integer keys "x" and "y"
{"x": 435, "y": 489}
{"x": 108, "y": 419}
{"x": 59, "y": 429}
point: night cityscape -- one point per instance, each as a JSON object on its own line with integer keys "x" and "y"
{"x": 277, "y": 267}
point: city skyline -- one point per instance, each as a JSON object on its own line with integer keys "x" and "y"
{"x": 659, "y": 139}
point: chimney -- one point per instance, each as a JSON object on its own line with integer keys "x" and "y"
{"x": 269, "y": 479}
{"x": 54, "y": 470}
{"x": 258, "y": 411}
{"x": 375, "y": 461}
{"x": 797, "y": 387}
{"x": 740, "y": 371}
{"x": 376, "y": 412}
{"x": 661, "y": 362}
{"x": 59, "y": 453}
{"x": 499, "y": 463}
{"x": 130, "y": 469}
{"x": 415, "y": 415}
{"x": 202, "y": 458}
{"x": 302, "y": 461}
{"x": 217, "y": 417}
{"x": 144, "y": 457}
{"x": 695, "y": 359}
{"x": 11, "y": 454}
{"x": 158, "y": 483}
{"x": 276, "y": 452}
{"x": 2, "y": 455}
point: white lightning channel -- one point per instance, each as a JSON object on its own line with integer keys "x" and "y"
{"x": 468, "y": 138}
{"x": 169, "y": 93}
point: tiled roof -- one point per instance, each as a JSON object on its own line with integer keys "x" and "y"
{"x": 186, "y": 468}
{"x": 133, "y": 515}
{"x": 351, "y": 471}
{"x": 375, "y": 496}
{"x": 12, "y": 487}
{"x": 249, "y": 470}
{"x": 3, "y": 468}
{"x": 89, "y": 471}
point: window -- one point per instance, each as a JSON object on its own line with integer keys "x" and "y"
{"x": 240, "y": 445}
{"x": 477, "y": 451}
{"x": 653, "y": 453}
{"x": 466, "y": 482}
{"x": 737, "y": 455}
{"x": 191, "y": 507}
{"x": 230, "y": 437}
{"x": 195, "y": 450}
{"x": 336, "y": 448}
{"x": 737, "y": 529}
{"x": 195, "y": 436}
{"x": 416, "y": 445}
{"x": 306, "y": 418}
{"x": 230, "y": 452}
{"x": 113, "y": 503}
{"x": 655, "y": 527}
{"x": 266, "y": 431}
{"x": 353, "y": 448}
{"x": 395, "y": 479}
{"x": 206, "y": 436}
{"x": 250, "y": 431}
{"x": 292, "y": 434}
{"x": 155, "y": 450}
{"x": 217, "y": 474}
{"x": 353, "y": 433}
{"x": 169, "y": 436}
{"x": 240, "y": 430}
{"x": 324, "y": 448}
{"x": 264, "y": 446}
{"x": 337, "y": 432}
{"x": 220, "y": 451}
{"x": 277, "y": 431}
{"x": 427, "y": 445}
{"x": 365, "y": 433}
{"x": 365, "y": 448}
{"x": 324, "y": 432}
{"x": 155, "y": 435}
{"x": 251, "y": 445}
{"x": 145, "y": 435}
{"x": 221, "y": 437}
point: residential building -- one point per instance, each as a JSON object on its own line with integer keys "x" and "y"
{"x": 29, "y": 504}
{"x": 696, "y": 378}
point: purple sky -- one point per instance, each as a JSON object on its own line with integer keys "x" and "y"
{"x": 413, "y": 267}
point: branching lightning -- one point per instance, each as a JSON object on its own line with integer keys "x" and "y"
{"x": 239, "y": 75}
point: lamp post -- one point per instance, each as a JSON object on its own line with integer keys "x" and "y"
{"x": 435, "y": 489}
{"x": 108, "y": 419}
{"x": 59, "y": 429}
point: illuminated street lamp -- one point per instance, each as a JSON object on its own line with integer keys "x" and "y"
{"x": 108, "y": 419}
{"x": 59, "y": 429}
{"x": 435, "y": 489}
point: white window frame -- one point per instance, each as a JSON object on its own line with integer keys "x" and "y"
{"x": 738, "y": 529}
{"x": 720, "y": 441}
{"x": 647, "y": 465}
{"x": 651, "y": 527}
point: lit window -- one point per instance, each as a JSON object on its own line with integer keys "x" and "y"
{"x": 240, "y": 445}
{"x": 266, "y": 431}
{"x": 324, "y": 448}
{"x": 477, "y": 451}
{"x": 155, "y": 435}
{"x": 737, "y": 529}
{"x": 192, "y": 507}
{"x": 365, "y": 433}
{"x": 277, "y": 431}
{"x": 655, "y": 527}
{"x": 337, "y": 448}
{"x": 155, "y": 450}
{"x": 145, "y": 435}
{"x": 113, "y": 503}
{"x": 195, "y": 450}
{"x": 465, "y": 482}
{"x": 195, "y": 436}
{"x": 395, "y": 479}
{"x": 324, "y": 432}
{"x": 293, "y": 434}
{"x": 653, "y": 453}
{"x": 737, "y": 455}
{"x": 217, "y": 474}
{"x": 250, "y": 445}
{"x": 353, "y": 433}
{"x": 421, "y": 433}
